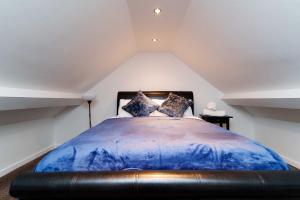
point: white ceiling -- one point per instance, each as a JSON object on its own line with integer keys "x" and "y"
{"x": 237, "y": 45}
{"x": 163, "y": 27}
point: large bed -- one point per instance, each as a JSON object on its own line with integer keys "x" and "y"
{"x": 158, "y": 157}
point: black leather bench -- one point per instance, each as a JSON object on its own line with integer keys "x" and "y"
{"x": 158, "y": 185}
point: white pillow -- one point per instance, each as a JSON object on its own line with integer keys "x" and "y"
{"x": 188, "y": 112}
{"x": 158, "y": 101}
{"x": 122, "y": 112}
{"x": 158, "y": 114}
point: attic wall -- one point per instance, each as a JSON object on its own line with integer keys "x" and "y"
{"x": 147, "y": 71}
{"x": 71, "y": 122}
{"x": 283, "y": 136}
{"x": 279, "y": 129}
{"x": 23, "y": 141}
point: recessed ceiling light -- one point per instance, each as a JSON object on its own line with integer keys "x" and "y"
{"x": 157, "y": 11}
{"x": 154, "y": 40}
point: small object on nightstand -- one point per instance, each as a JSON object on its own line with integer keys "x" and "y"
{"x": 217, "y": 120}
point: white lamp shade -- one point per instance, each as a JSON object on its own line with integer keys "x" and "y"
{"x": 89, "y": 97}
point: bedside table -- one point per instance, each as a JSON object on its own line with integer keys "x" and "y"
{"x": 217, "y": 120}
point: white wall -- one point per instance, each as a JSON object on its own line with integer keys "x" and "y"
{"x": 280, "y": 130}
{"x": 282, "y": 136}
{"x": 24, "y": 141}
{"x": 70, "y": 123}
{"x": 147, "y": 71}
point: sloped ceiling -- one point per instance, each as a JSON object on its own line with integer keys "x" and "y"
{"x": 70, "y": 45}
{"x": 243, "y": 45}
{"x": 62, "y": 45}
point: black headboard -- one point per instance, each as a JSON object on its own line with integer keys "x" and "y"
{"x": 155, "y": 94}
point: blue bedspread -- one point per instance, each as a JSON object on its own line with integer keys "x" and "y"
{"x": 159, "y": 143}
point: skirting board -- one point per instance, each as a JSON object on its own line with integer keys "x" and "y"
{"x": 24, "y": 161}
{"x": 291, "y": 161}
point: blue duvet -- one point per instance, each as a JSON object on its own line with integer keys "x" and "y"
{"x": 159, "y": 143}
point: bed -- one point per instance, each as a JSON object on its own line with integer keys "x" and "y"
{"x": 158, "y": 157}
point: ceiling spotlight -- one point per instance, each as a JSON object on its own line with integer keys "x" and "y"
{"x": 154, "y": 40}
{"x": 157, "y": 11}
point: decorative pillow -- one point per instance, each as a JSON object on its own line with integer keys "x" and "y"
{"x": 187, "y": 113}
{"x": 140, "y": 106}
{"x": 175, "y": 105}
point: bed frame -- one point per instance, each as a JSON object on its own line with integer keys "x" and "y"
{"x": 158, "y": 184}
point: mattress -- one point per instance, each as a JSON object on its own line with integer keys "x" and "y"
{"x": 159, "y": 143}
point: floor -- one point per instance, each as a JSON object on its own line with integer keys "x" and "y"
{"x": 5, "y": 181}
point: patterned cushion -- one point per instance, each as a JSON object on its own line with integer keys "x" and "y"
{"x": 174, "y": 105}
{"x": 140, "y": 106}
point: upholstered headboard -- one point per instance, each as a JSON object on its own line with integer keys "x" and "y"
{"x": 155, "y": 94}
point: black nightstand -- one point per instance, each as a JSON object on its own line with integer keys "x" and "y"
{"x": 217, "y": 120}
